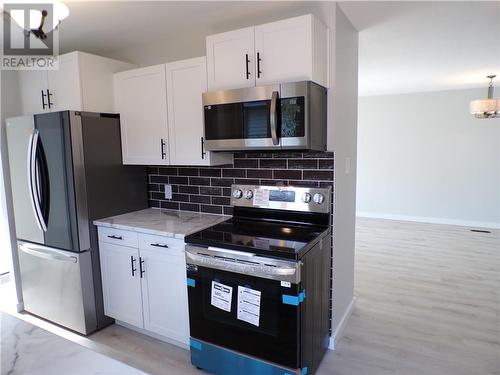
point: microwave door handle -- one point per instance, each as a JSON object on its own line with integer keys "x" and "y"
{"x": 273, "y": 118}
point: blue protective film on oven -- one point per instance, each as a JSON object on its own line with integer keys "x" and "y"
{"x": 219, "y": 361}
{"x": 195, "y": 344}
{"x": 293, "y": 300}
{"x": 191, "y": 282}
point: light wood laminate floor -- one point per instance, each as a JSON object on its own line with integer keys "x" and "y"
{"x": 428, "y": 302}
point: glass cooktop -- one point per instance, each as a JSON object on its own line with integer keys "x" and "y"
{"x": 277, "y": 239}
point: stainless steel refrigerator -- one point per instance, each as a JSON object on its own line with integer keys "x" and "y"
{"x": 66, "y": 171}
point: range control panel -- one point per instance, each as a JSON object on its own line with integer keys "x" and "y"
{"x": 281, "y": 197}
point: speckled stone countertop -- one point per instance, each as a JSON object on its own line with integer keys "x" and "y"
{"x": 169, "y": 223}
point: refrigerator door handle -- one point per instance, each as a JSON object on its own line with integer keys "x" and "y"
{"x": 42, "y": 252}
{"x": 43, "y": 186}
{"x": 32, "y": 180}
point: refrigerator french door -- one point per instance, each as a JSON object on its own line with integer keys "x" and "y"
{"x": 56, "y": 160}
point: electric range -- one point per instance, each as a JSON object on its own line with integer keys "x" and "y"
{"x": 259, "y": 283}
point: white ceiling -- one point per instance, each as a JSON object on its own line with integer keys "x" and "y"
{"x": 425, "y": 46}
{"x": 97, "y": 26}
{"x": 404, "y": 46}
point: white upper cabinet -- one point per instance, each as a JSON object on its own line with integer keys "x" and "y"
{"x": 294, "y": 49}
{"x": 33, "y": 91}
{"x": 231, "y": 59}
{"x": 141, "y": 100}
{"x": 64, "y": 85}
{"x": 186, "y": 82}
{"x": 81, "y": 82}
{"x": 291, "y": 50}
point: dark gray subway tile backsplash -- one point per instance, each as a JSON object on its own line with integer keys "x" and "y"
{"x": 207, "y": 189}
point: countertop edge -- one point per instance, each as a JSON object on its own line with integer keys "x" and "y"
{"x": 107, "y": 222}
{"x": 140, "y": 230}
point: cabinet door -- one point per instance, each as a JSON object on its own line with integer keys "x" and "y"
{"x": 141, "y": 100}
{"x": 31, "y": 85}
{"x": 64, "y": 85}
{"x": 121, "y": 290}
{"x": 230, "y": 59}
{"x": 164, "y": 292}
{"x": 186, "y": 82}
{"x": 285, "y": 51}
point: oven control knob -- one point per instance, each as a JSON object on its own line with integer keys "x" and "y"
{"x": 237, "y": 193}
{"x": 318, "y": 198}
{"x": 306, "y": 197}
{"x": 248, "y": 194}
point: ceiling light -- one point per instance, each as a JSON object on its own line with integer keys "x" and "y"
{"x": 60, "y": 12}
{"x": 486, "y": 108}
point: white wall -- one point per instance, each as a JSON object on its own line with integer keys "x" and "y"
{"x": 342, "y": 140}
{"x": 423, "y": 157}
{"x": 9, "y": 106}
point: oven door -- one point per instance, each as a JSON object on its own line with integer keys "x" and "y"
{"x": 250, "y": 314}
{"x": 242, "y": 119}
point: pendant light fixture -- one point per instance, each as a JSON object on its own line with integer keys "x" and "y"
{"x": 486, "y": 108}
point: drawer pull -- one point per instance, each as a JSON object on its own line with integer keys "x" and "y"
{"x": 159, "y": 245}
{"x": 116, "y": 237}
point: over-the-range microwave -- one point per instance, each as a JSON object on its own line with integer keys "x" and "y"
{"x": 279, "y": 117}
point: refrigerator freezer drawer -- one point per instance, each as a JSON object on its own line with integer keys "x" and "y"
{"x": 58, "y": 286}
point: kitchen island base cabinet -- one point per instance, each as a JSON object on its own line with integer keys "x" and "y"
{"x": 144, "y": 283}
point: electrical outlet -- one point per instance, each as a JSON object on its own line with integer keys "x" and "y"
{"x": 168, "y": 191}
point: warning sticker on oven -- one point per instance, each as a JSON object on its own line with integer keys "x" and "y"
{"x": 221, "y": 296}
{"x": 261, "y": 197}
{"x": 249, "y": 305}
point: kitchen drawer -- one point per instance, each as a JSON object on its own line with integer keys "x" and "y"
{"x": 118, "y": 237}
{"x": 173, "y": 246}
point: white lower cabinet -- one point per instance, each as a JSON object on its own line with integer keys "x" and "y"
{"x": 164, "y": 295}
{"x": 121, "y": 290}
{"x": 145, "y": 285}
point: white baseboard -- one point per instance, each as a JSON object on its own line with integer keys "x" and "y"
{"x": 183, "y": 345}
{"x": 337, "y": 334}
{"x": 432, "y": 220}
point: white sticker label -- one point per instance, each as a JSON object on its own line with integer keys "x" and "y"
{"x": 221, "y": 296}
{"x": 286, "y": 284}
{"x": 249, "y": 305}
{"x": 261, "y": 197}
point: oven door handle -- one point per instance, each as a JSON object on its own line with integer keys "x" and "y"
{"x": 264, "y": 268}
{"x": 232, "y": 252}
